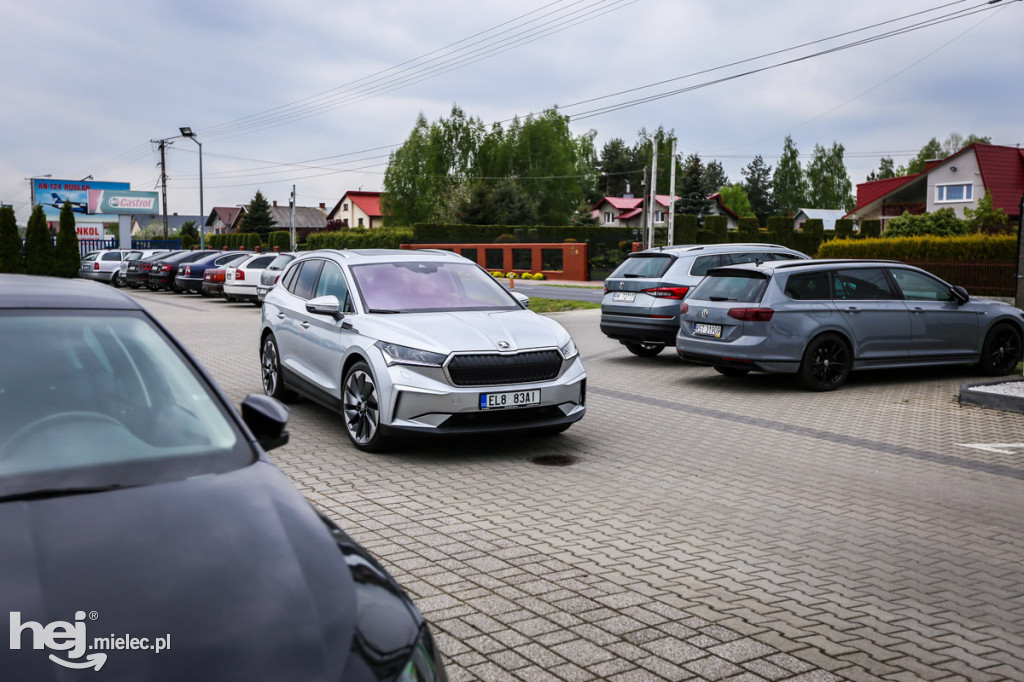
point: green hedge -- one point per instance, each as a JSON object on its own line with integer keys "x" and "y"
{"x": 234, "y": 240}
{"x": 685, "y": 229}
{"x": 973, "y": 247}
{"x": 717, "y": 225}
{"x": 750, "y": 227}
{"x": 870, "y": 229}
{"x": 281, "y": 239}
{"x": 431, "y": 233}
{"x": 361, "y": 238}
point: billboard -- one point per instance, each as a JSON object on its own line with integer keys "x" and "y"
{"x": 51, "y": 195}
{"x": 122, "y": 202}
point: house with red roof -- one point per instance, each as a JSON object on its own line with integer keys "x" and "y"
{"x": 629, "y": 211}
{"x": 358, "y": 209}
{"x": 957, "y": 182}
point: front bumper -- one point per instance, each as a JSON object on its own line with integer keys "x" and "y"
{"x": 422, "y": 401}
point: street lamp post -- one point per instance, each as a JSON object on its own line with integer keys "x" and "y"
{"x": 187, "y": 132}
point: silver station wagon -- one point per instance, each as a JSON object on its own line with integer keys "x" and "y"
{"x": 822, "y": 319}
{"x": 416, "y": 343}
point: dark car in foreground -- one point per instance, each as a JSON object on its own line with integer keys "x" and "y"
{"x": 640, "y": 308}
{"x": 823, "y": 319}
{"x": 144, "y": 530}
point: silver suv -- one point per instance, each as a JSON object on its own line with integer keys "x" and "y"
{"x": 640, "y": 308}
{"x": 822, "y": 319}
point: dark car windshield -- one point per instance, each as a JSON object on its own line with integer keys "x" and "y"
{"x": 104, "y": 398}
{"x": 643, "y": 265}
{"x": 730, "y": 285}
{"x": 429, "y": 287}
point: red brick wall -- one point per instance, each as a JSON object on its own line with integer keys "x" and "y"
{"x": 574, "y": 258}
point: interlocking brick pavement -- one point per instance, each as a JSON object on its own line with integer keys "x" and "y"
{"x": 713, "y": 529}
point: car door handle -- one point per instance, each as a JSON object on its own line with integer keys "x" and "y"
{"x": 305, "y": 325}
{"x": 851, "y": 310}
{"x": 280, "y": 316}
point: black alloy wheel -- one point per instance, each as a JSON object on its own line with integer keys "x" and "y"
{"x": 1002, "y": 350}
{"x": 826, "y": 363}
{"x": 270, "y": 366}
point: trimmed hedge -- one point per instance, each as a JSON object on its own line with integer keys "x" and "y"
{"x": 972, "y": 247}
{"x": 871, "y": 229}
{"x": 361, "y": 238}
{"x": 685, "y": 229}
{"x": 750, "y": 227}
{"x": 234, "y": 240}
{"x": 281, "y": 239}
{"x": 717, "y": 225}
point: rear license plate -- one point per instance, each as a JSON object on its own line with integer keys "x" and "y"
{"x": 497, "y": 401}
{"x": 700, "y": 329}
{"x": 624, "y": 296}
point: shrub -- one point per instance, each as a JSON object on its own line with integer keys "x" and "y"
{"x": 361, "y": 238}
{"x": 686, "y": 227}
{"x": 281, "y": 239}
{"x": 749, "y": 226}
{"x": 941, "y": 223}
{"x": 497, "y": 273}
{"x": 871, "y": 229}
{"x": 539, "y": 275}
{"x": 67, "y": 256}
{"x": 510, "y": 275}
{"x": 844, "y": 228}
{"x": 11, "y": 257}
{"x": 970, "y": 247}
{"x": 39, "y": 258}
{"x": 505, "y": 239}
{"x": 717, "y": 225}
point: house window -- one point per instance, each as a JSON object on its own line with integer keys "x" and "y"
{"x": 609, "y": 217}
{"x": 344, "y": 207}
{"x": 945, "y": 193}
{"x": 360, "y": 222}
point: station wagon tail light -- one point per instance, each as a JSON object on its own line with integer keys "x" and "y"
{"x": 96, "y": 265}
{"x": 239, "y": 275}
{"x": 752, "y": 314}
{"x": 667, "y": 292}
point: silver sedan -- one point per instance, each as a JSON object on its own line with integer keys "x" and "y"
{"x": 416, "y": 343}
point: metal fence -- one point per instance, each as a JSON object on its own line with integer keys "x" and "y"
{"x": 979, "y": 277}
{"x": 87, "y": 245}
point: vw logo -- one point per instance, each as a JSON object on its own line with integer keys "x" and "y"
{"x": 503, "y": 345}
{"x": 704, "y": 314}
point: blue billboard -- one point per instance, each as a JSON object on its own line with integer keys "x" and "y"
{"x": 51, "y": 195}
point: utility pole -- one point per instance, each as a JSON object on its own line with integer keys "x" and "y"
{"x": 1018, "y": 280}
{"x": 643, "y": 194}
{"x": 654, "y": 191}
{"x": 163, "y": 179}
{"x": 291, "y": 218}
{"x": 672, "y": 198}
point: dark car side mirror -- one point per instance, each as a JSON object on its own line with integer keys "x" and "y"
{"x": 961, "y": 295}
{"x": 266, "y": 418}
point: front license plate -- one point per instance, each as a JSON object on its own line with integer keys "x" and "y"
{"x": 700, "y": 329}
{"x": 497, "y": 401}
{"x": 624, "y": 296}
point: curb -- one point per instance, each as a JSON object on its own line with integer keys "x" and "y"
{"x": 996, "y": 401}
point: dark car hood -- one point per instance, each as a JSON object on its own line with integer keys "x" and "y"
{"x": 237, "y": 568}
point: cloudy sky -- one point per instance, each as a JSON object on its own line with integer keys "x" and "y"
{"x": 316, "y": 93}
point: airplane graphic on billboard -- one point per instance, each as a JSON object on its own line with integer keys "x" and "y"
{"x": 58, "y": 203}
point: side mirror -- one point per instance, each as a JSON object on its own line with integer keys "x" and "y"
{"x": 325, "y": 305}
{"x": 522, "y": 298}
{"x": 266, "y": 418}
{"x": 961, "y": 295}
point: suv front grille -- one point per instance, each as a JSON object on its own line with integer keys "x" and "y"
{"x": 492, "y": 369}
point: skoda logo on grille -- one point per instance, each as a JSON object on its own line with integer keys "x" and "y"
{"x": 503, "y": 345}
{"x": 704, "y": 314}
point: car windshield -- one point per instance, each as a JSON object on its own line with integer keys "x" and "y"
{"x": 654, "y": 265}
{"x": 725, "y": 285}
{"x": 429, "y": 287}
{"x": 104, "y": 398}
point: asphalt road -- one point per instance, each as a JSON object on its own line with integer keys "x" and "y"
{"x": 710, "y": 528}
{"x": 570, "y": 293}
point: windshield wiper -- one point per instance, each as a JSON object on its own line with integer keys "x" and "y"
{"x": 45, "y": 493}
{"x": 381, "y": 310}
{"x": 721, "y": 298}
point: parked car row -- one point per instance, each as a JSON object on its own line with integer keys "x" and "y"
{"x": 745, "y": 307}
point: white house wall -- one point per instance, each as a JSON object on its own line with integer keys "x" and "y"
{"x": 966, "y": 172}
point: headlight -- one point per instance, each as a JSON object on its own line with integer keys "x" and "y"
{"x": 403, "y": 355}
{"x": 425, "y": 664}
{"x": 569, "y": 350}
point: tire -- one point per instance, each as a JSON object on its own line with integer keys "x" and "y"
{"x": 645, "y": 349}
{"x": 117, "y": 281}
{"x": 270, "y": 366}
{"x": 826, "y": 363}
{"x": 360, "y": 409}
{"x": 732, "y": 371}
{"x": 1002, "y": 350}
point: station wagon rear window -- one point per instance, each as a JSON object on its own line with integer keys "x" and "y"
{"x": 653, "y": 266}
{"x": 729, "y": 285}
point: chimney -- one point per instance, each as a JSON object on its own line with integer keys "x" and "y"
{"x": 323, "y": 207}
{"x": 275, "y": 203}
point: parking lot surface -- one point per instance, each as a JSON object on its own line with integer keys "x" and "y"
{"x": 709, "y": 529}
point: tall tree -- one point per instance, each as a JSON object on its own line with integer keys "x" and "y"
{"x": 931, "y": 151}
{"x": 11, "y": 257}
{"x": 736, "y": 200}
{"x": 693, "y": 198}
{"x": 788, "y": 181}
{"x": 757, "y": 183}
{"x": 188, "y": 234}
{"x": 38, "y": 245}
{"x": 715, "y": 177}
{"x": 619, "y": 169}
{"x": 828, "y": 184}
{"x": 886, "y": 170}
{"x": 257, "y": 216}
{"x": 67, "y": 255}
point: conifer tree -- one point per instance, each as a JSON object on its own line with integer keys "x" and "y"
{"x": 39, "y": 259}
{"x": 11, "y": 257}
{"x": 257, "y": 217}
{"x": 67, "y": 254}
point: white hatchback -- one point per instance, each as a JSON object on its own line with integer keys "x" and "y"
{"x": 240, "y": 281}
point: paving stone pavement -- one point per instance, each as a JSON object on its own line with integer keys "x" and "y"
{"x": 713, "y": 528}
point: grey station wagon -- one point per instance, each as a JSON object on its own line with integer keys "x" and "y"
{"x": 822, "y": 319}
{"x": 640, "y": 307}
